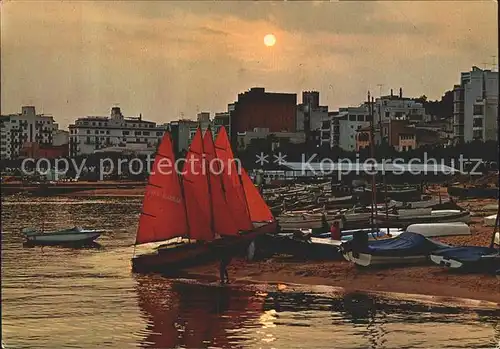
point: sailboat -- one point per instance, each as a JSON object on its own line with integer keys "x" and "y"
{"x": 204, "y": 210}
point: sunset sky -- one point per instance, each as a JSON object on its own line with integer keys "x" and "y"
{"x": 168, "y": 59}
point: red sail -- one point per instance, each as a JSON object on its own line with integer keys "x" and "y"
{"x": 224, "y": 223}
{"x": 234, "y": 192}
{"x": 163, "y": 213}
{"x": 196, "y": 193}
{"x": 259, "y": 211}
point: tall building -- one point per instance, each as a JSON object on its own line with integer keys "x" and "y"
{"x": 17, "y": 129}
{"x": 114, "y": 133}
{"x": 475, "y": 106}
{"x": 260, "y": 109}
{"x": 182, "y": 131}
{"x": 313, "y": 118}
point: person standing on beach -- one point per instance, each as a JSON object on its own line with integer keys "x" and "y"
{"x": 224, "y": 262}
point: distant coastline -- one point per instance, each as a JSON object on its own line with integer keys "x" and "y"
{"x": 80, "y": 188}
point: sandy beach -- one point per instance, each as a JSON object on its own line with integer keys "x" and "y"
{"x": 425, "y": 279}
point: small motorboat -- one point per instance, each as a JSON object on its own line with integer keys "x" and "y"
{"x": 75, "y": 235}
{"x": 471, "y": 258}
{"x": 407, "y": 248}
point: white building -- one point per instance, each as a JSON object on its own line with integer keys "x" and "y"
{"x": 16, "y": 129}
{"x": 475, "y": 106}
{"x": 345, "y": 124}
{"x": 394, "y": 107}
{"x": 93, "y": 133}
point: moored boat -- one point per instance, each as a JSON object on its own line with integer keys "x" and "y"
{"x": 75, "y": 235}
{"x": 202, "y": 212}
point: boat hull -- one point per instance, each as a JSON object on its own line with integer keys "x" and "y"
{"x": 69, "y": 236}
{"x": 440, "y": 229}
{"x": 485, "y": 263}
{"x": 365, "y": 259}
{"x": 445, "y": 217}
{"x": 170, "y": 260}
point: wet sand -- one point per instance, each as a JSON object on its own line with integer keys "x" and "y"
{"x": 428, "y": 279}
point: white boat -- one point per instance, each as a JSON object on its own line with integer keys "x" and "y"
{"x": 372, "y": 235}
{"x": 436, "y": 216}
{"x": 75, "y": 235}
{"x": 440, "y": 229}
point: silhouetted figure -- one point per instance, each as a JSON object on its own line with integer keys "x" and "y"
{"x": 224, "y": 262}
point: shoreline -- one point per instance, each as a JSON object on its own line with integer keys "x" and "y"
{"x": 426, "y": 280}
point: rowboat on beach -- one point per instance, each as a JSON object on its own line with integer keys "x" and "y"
{"x": 440, "y": 229}
{"x": 74, "y": 235}
{"x": 201, "y": 213}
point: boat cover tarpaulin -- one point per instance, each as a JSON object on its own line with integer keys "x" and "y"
{"x": 406, "y": 244}
{"x": 466, "y": 253}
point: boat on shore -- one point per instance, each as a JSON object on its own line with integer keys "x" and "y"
{"x": 438, "y": 216}
{"x": 440, "y": 229}
{"x": 469, "y": 258}
{"x": 406, "y": 248}
{"x": 202, "y": 212}
{"x": 74, "y": 235}
{"x": 398, "y": 194}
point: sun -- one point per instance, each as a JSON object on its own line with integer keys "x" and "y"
{"x": 269, "y": 40}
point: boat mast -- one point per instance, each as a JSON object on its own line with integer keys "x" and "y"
{"x": 372, "y": 154}
{"x": 384, "y": 183}
{"x": 497, "y": 223}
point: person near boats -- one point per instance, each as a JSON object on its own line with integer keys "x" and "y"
{"x": 335, "y": 231}
{"x": 225, "y": 260}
